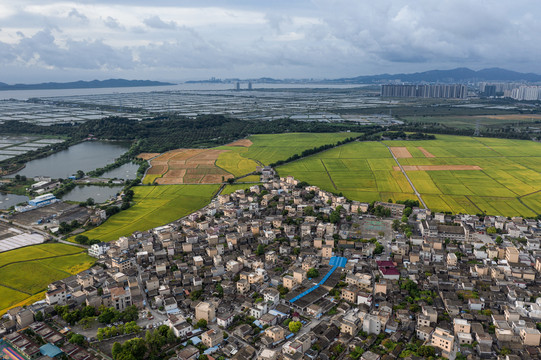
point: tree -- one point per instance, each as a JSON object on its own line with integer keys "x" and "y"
{"x": 219, "y": 290}
{"x": 295, "y": 326}
{"x": 312, "y": 273}
{"x": 379, "y": 248}
{"x": 77, "y": 339}
{"x": 107, "y": 315}
{"x": 260, "y": 250}
{"x": 492, "y": 230}
{"x": 426, "y": 351}
{"x": 133, "y": 349}
{"x": 117, "y": 349}
{"x": 82, "y": 239}
{"x": 202, "y": 323}
{"x": 39, "y": 316}
{"x": 130, "y": 314}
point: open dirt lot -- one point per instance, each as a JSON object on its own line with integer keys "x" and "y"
{"x": 400, "y": 152}
{"x": 437, "y": 167}
{"x": 511, "y": 117}
{"x": 243, "y": 143}
{"x": 147, "y": 156}
{"x": 425, "y": 152}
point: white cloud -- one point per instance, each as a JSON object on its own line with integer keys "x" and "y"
{"x": 322, "y": 38}
{"x": 156, "y": 23}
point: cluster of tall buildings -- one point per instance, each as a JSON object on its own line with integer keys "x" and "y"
{"x": 517, "y": 91}
{"x": 446, "y": 91}
{"x": 524, "y": 93}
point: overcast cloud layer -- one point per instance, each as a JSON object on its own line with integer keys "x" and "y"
{"x": 47, "y": 40}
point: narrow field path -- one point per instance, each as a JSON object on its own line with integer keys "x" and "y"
{"x": 535, "y": 192}
{"x": 474, "y": 204}
{"x": 328, "y": 174}
{"x": 526, "y": 206}
{"x": 407, "y": 177}
{"x": 37, "y": 259}
{"x": 12, "y": 288}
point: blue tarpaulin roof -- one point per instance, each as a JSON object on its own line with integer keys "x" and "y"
{"x": 50, "y": 350}
{"x": 335, "y": 262}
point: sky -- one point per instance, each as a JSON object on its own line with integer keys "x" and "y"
{"x": 177, "y": 40}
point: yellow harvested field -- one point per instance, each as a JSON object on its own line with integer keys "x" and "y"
{"x": 426, "y": 153}
{"x": 187, "y": 166}
{"x": 437, "y": 167}
{"x": 400, "y": 152}
{"x": 242, "y": 143}
{"x": 147, "y": 156}
{"x": 511, "y": 117}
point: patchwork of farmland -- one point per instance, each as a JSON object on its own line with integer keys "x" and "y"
{"x": 452, "y": 173}
{"x": 186, "y": 166}
{"x": 213, "y": 166}
{"x": 26, "y": 272}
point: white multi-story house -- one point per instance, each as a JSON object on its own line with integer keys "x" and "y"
{"x": 99, "y": 249}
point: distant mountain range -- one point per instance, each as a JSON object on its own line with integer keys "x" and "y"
{"x": 110, "y": 83}
{"x": 458, "y": 75}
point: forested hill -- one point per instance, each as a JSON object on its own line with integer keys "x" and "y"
{"x": 170, "y": 132}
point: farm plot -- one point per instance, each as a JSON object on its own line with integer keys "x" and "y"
{"x": 400, "y": 152}
{"x": 26, "y": 272}
{"x": 35, "y": 252}
{"x": 228, "y": 189}
{"x": 154, "y": 206}
{"x": 233, "y": 162}
{"x": 186, "y": 166}
{"x": 452, "y": 173}
{"x": 268, "y": 149}
{"x": 359, "y": 170}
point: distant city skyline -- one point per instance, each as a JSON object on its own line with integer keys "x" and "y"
{"x": 169, "y": 40}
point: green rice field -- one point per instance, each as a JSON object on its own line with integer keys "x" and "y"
{"x": 269, "y": 148}
{"x": 26, "y": 272}
{"x": 154, "y": 206}
{"x": 508, "y": 182}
